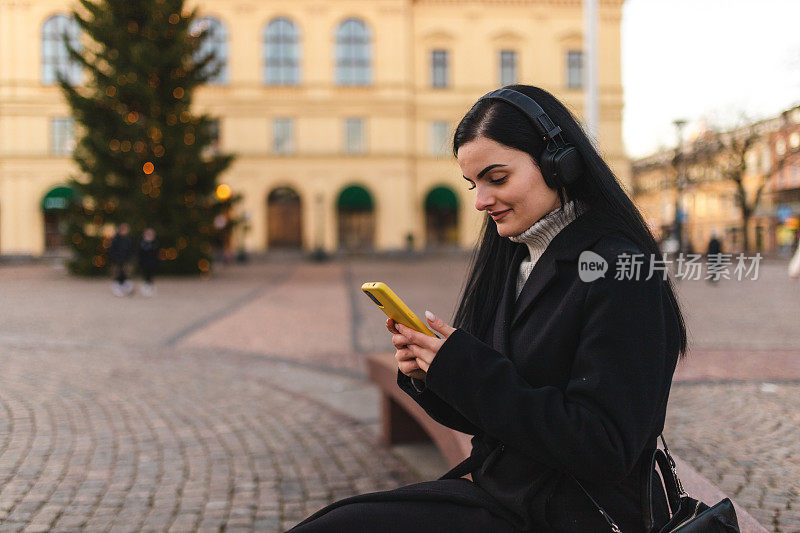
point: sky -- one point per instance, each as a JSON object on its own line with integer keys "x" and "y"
{"x": 705, "y": 61}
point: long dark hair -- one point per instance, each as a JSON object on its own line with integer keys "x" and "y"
{"x": 598, "y": 188}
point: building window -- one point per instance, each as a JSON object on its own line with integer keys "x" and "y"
{"x": 55, "y": 57}
{"x": 780, "y": 147}
{"x": 508, "y": 67}
{"x": 439, "y": 138}
{"x": 283, "y": 136}
{"x": 62, "y": 136}
{"x": 354, "y": 137}
{"x": 766, "y": 161}
{"x": 281, "y": 53}
{"x": 575, "y": 69}
{"x": 353, "y": 53}
{"x": 794, "y": 140}
{"x": 439, "y": 68}
{"x": 216, "y": 42}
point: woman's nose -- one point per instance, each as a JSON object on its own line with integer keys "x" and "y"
{"x": 483, "y": 199}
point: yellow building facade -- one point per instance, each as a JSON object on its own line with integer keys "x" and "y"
{"x": 343, "y": 138}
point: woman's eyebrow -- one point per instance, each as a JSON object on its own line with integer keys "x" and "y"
{"x": 484, "y": 171}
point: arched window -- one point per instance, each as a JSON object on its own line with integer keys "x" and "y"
{"x": 216, "y": 41}
{"x": 281, "y": 53}
{"x": 55, "y": 58}
{"x": 353, "y": 53}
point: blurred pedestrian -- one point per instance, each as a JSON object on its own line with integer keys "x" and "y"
{"x": 794, "y": 265}
{"x": 148, "y": 260}
{"x": 120, "y": 253}
{"x": 713, "y": 256}
{"x": 714, "y": 246}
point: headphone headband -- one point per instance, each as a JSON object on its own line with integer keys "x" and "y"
{"x": 560, "y": 162}
{"x": 541, "y": 120}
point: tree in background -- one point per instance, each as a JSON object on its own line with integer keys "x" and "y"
{"x": 145, "y": 158}
{"x": 723, "y": 155}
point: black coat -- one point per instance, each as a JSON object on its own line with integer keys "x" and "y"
{"x": 121, "y": 249}
{"x": 148, "y": 255}
{"x": 714, "y": 247}
{"x": 576, "y": 380}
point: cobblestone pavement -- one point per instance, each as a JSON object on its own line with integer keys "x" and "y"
{"x": 154, "y": 440}
{"x": 188, "y": 410}
{"x": 744, "y": 438}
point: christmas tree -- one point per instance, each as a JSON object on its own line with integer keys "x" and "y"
{"x": 145, "y": 157}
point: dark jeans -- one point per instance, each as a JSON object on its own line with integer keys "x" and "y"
{"x": 121, "y": 272}
{"x": 148, "y": 274}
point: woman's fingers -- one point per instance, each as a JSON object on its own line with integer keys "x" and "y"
{"x": 400, "y": 341}
{"x": 404, "y": 354}
{"x": 438, "y": 325}
{"x": 423, "y": 356}
{"x": 390, "y": 325}
{"x": 415, "y": 337}
{"x": 406, "y": 367}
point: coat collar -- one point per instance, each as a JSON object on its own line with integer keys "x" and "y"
{"x": 567, "y": 245}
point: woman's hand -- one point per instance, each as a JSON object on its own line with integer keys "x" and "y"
{"x": 415, "y": 350}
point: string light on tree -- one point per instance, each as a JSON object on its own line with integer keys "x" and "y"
{"x": 223, "y": 192}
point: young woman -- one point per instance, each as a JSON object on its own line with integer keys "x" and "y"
{"x": 564, "y": 354}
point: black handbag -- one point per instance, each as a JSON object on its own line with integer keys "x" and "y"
{"x": 687, "y": 515}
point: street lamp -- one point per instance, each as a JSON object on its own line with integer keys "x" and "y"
{"x": 679, "y": 181}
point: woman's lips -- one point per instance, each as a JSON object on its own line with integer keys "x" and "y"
{"x": 497, "y": 215}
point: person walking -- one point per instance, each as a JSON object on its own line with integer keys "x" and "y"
{"x": 148, "y": 261}
{"x": 120, "y": 253}
{"x": 713, "y": 258}
{"x": 794, "y": 265}
{"x": 562, "y": 382}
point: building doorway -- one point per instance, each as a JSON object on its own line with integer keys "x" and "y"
{"x": 356, "y": 218}
{"x": 284, "y": 219}
{"x": 441, "y": 217}
{"x": 54, "y": 209}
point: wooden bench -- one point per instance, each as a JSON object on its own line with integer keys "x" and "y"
{"x": 403, "y": 420}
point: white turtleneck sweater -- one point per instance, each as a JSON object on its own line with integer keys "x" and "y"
{"x": 538, "y": 236}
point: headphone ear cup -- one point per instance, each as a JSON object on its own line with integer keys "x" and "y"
{"x": 549, "y": 168}
{"x": 567, "y": 165}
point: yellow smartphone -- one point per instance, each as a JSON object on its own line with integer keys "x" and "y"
{"x": 394, "y": 307}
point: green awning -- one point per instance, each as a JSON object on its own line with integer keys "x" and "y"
{"x": 354, "y": 198}
{"x": 57, "y": 199}
{"x": 441, "y": 199}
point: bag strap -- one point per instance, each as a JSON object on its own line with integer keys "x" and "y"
{"x": 467, "y": 466}
{"x": 673, "y": 469}
{"x": 614, "y": 527}
{"x": 651, "y": 482}
{"x": 672, "y": 483}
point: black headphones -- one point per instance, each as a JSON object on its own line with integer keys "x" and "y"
{"x": 561, "y": 163}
